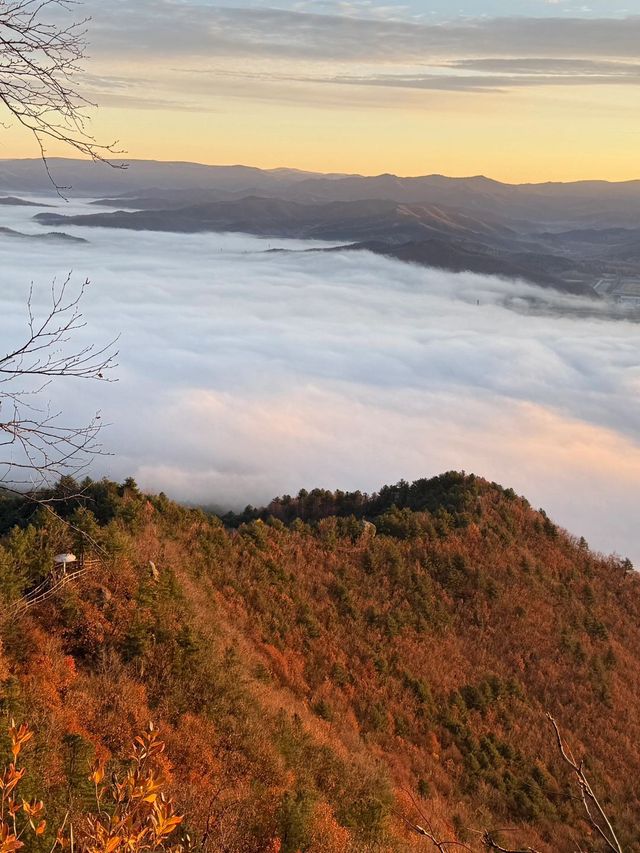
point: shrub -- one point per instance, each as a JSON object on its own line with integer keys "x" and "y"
{"x": 132, "y": 813}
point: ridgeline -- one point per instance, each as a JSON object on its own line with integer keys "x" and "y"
{"x": 330, "y": 669}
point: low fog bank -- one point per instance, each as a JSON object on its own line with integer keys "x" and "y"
{"x": 247, "y": 373}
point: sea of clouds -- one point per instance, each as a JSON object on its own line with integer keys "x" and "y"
{"x": 245, "y": 373}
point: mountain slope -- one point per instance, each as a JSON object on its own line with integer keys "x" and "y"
{"x": 428, "y": 235}
{"x": 277, "y": 217}
{"x": 50, "y": 237}
{"x": 12, "y": 201}
{"x": 314, "y": 675}
{"x": 593, "y": 203}
{"x": 569, "y": 236}
{"x": 546, "y": 270}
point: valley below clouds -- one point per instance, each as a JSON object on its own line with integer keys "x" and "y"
{"x": 246, "y": 372}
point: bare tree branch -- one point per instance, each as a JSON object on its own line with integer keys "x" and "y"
{"x": 596, "y": 814}
{"x": 40, "y": 56}
{"x": 34, "y": 446}
{"x": 439, "y": 844}
{"x": 489, "y": 842}
{"x": 427, "y": 830}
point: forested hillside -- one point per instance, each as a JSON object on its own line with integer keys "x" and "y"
{"x": 328, "y": 667}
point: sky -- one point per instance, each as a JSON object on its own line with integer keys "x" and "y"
{"x": 245, "y": 373}
{"x": 519, "y": 90}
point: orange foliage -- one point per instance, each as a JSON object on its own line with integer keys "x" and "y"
{"x": 305, "y": 676}
{"x": 132, "y": 813}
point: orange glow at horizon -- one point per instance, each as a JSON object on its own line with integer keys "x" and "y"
{"x": 532, "y": 135}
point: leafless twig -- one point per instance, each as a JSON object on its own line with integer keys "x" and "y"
{"x": 40, "y": 56}
{"x": 427, "y": 831}
{"x": 489, "y": 841}
{"x": 594, "y": 810}
{"x": 36, "y": 447}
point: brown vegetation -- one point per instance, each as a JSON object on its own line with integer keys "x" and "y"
{"x": 320, "y": 682}
{"x": 131, "y": 814}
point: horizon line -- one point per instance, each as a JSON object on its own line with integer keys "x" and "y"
{"x": 321, "y": 174}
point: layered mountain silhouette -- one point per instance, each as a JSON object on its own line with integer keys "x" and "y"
{"x": 50, "y": 237}
{"x": 564, "y": 235}
{"x": 14, "y": 201}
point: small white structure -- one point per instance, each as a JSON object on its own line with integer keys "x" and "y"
{"x": 64, "y": 560}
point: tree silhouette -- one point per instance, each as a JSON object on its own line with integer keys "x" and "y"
{"x": 40, "y": 56}
{"x": 41, "y": 51}
{"x": 36, "y": 447}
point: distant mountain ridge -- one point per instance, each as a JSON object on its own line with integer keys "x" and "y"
{"x": 569, "y": 236}
{"x": 83, "y": 178}
{"x": 429, "y": 235}
{"x": 50, "y": 237}
{"x": 13, "y": 201}
{"x": 341, "y": 220}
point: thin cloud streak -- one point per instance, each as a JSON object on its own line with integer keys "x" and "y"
{"x": 484, "y": 83}
{"x": 303, "y": 56}
{"x": 317, "y": 81}
{"x": 164, "y": 29}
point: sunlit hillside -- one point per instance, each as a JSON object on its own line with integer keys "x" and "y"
{"x": 330, "y": 670}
